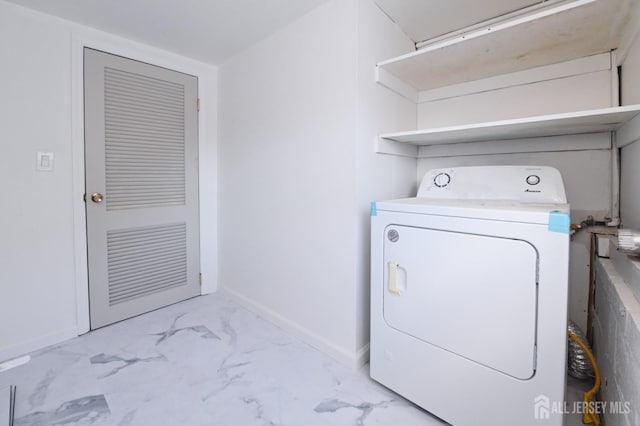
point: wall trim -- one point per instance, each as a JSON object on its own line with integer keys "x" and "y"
{"x": 38, "y": 343}
{"x": 362, "y": 355}
{"x": 82, "y": 37}
{"x": 353, "y": 360}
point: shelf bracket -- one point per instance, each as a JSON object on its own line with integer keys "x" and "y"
{"x": 386, "y": 146}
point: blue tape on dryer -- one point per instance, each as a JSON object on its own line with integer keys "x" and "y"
{"x": 559, "y": 222}
{"x": 374, "y": 209}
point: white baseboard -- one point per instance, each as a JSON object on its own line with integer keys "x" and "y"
{"x": 40, "y": 342}
{"x": 362, "y": 356}
{"x": 352, "y": 360}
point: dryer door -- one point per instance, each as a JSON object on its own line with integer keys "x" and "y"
{"x": 472, "y": 295}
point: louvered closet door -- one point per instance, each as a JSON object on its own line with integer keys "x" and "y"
{"x": 141, "y": 186}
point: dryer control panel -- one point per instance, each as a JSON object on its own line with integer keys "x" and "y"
{"x": 533, "y": 184}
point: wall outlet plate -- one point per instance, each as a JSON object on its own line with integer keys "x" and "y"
{"x": 604, "y": 246}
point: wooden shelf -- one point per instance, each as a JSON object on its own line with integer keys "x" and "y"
{"x": 593, "y": 121}
{"x": 564, "y": 31}
{"x": 542, "y": 35}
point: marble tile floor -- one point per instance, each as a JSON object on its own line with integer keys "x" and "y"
{"x": 204, "y": 361}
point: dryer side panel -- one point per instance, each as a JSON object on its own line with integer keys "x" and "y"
{"x": 474, "y": 296}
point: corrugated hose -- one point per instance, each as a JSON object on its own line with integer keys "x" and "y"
{"x": 589, "y": 416}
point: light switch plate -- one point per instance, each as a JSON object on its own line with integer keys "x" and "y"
{"x": 44, "y": 161}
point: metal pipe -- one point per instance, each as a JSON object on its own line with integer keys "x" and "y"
{"x": 615, "y": 183}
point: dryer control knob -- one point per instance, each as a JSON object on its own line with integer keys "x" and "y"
{"x": 533, "y": 179}
{"x": 441, "y": 180}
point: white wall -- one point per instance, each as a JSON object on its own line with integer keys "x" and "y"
{"x": 43, "y": 284}
{"x": 298, "y": 120}
{"x": 629, "y": 184}
{"x": 630, "y": 84}
{"x": 37, "y": 299}
{"x": 379, "y": 177}
{"x": 630, "y": 154}
{"x": 287, "y": 183}
{"x": 575, "y": 93}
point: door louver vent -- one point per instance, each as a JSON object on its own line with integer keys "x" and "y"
{"x": 146, "y": 260}
{"x": 144, "y": 141}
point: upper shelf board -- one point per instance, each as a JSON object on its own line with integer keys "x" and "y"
{"x": 564, "y": 31}
{"x": 593, "y": 121}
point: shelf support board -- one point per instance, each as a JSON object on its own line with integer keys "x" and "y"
{"x": 626, "y": 119}
{"x": 393, "y": 83}
{"x": 629, "y": 132}
{"x": 592, "y": 141}
{"x": 385, "y": 146}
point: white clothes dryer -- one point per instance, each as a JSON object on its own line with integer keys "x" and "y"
{"x": 469, "y": 284}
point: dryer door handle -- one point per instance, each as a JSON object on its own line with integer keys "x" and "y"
{"x": 393, "y": 279}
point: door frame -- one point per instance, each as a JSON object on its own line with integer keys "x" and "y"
{"x": 207, "y": 154}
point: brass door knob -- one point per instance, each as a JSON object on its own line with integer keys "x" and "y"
{"x": 97, "y": 197}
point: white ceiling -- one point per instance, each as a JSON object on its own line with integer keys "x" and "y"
{"x": 208, "y": 30}
{"x": 425, "y": 19}
{"x": 214, "y": 30}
